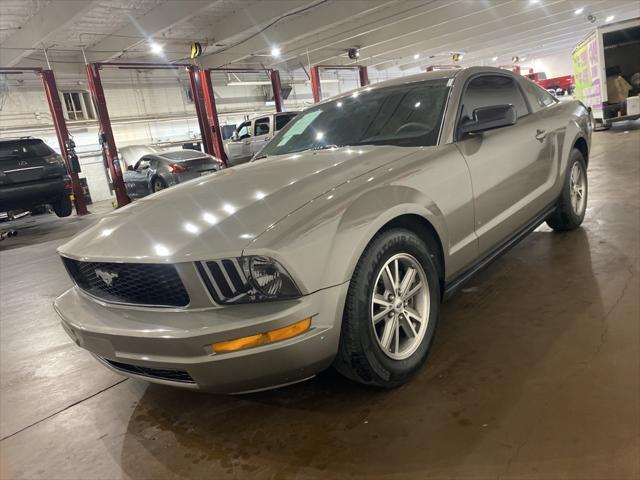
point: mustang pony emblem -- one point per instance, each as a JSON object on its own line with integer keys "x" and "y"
{"x": 106, "y": 277}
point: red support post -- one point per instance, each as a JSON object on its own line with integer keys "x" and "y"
{"x": 109, "y": 144}
{"x": 315, "y": 83}
{"x": 60, "y": 125}
{"x": 197, "y": 89}
{"x": 364, "y": 76}
{"x": 277, "y": 90}
{"x": 212, "y": 115}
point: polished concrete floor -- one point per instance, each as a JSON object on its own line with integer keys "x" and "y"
{"x": 535, "y": 374}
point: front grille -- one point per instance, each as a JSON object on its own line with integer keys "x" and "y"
{"x": 131, "y": 283}
{"x": 164, "y": 374}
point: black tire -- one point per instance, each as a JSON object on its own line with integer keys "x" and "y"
{"x": 565, "y": 216}
{"x": 158, "y": 184}
{"x": 360, "y": 355}
{"x": 63, "y": 207}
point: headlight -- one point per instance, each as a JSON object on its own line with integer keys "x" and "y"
{"x": 53, "y": 159}
{"x": 247, "y": 280}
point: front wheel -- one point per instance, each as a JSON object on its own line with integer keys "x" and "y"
{"x": 63, "y": 207}
{"x": 572, "y": 204}
{"x": 158, "y": 184}
{"x": 391, "y": 311}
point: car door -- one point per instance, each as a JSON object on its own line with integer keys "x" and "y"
{"x": 239, "y": 147}
{"x": 137, "y": 179}
{"x": 261, "y": 133}
{"x": 510, "y": 167}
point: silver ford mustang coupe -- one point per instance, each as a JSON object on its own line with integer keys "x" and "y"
{"x": 337, "y": 244}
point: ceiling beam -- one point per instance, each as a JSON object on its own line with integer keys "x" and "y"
{"x": 150, "y": 25}
{"x": 46, "y": 22}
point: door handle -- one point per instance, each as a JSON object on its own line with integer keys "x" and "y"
{"x": 540, "y": 134}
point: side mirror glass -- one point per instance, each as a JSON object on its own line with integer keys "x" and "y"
{"x": 488, "y": 118}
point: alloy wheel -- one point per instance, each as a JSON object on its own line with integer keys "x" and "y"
{"x": 578, "y": 186}
{"x": 400, "y": 306}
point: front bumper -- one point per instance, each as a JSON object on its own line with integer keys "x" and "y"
{"x": 180, "y": 340}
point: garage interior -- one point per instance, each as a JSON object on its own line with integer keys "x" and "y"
{"x": 535, "y": 369}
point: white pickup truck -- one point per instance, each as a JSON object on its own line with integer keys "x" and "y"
{"x": 252, "y": 135}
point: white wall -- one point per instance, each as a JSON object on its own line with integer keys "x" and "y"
{"x": 555, "y": 65}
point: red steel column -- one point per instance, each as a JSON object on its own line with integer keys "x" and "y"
{"x": 277, "y": 90}
{"x": 364, "y": 76}
{"x": 212, "y": 115}
{"x": 104, "y": 122}
{"x": 55, "y": 107}
{"x": 201, "y": 111}
{"x": 315, "y": 83}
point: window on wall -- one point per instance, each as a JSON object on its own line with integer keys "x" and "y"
{"x": 78, "y": 105}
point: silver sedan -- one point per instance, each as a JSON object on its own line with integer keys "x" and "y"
{"x": 338, "y": 249}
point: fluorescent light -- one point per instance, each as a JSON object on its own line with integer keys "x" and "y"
{"x": 578, "y": 11}
{"x": 416, "y": 56}
{"x": 339, "y": 104}
{"x": 494, "y": 59}
{"x": 155, "y": 48}
{"x": 609, "y": 18}
{"x": 250, "y": 82}
{"x": 191, "y": 228}
{"x": 275, "y": 52}
{"x": 319, "y": 136}
{"x": 417, "y": 104}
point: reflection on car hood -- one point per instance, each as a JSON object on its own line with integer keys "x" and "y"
{"x": 218, "y": 215}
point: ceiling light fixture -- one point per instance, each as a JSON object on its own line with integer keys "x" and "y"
{"x": 493, "y": 59}
{"x": 416, "y": 56}
{"x": 156, "y": 48}
{"x": 578, "y": 11}
{"x": 275, "y": 52}
{"x": 609, "y": 18}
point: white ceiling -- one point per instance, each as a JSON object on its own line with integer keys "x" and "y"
{"x": 389, "y": 32}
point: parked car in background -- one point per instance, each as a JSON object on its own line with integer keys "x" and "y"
{"x": 337, "y": 248}
{"x": 250, "y": 136}
{"x": 154, "y": 172}
{"x": 562, "y": 85}
{"x": 32, "y": 175}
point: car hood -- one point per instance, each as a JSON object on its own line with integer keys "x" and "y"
{"x": 218, "y": 215}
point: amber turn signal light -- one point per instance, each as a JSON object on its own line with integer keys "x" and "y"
{"x": 263, "y": 338}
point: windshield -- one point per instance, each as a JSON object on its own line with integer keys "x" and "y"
{"x": 24, "y": 148}
{"x": 405, "y": 115}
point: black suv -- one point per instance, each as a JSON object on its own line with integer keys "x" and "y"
{"x": 32, "y": 175}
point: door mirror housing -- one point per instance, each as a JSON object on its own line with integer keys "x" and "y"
{"x": 130, "y": 168}
{"x": 234, "y": 136}
{"x": 488, "y": 118}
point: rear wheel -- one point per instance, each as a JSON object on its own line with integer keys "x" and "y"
{"x": 572, "y": 204}
{"x": 158, "y": 184}
{"x": 391, "y": 311}
{"x": 63, "y": 207}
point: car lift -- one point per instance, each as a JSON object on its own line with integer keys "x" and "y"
{"x": 210, "y": 101}
{"x": 106, "y": 133}
{"x": 67, "y": 146}
{"x": 363, "y": 75}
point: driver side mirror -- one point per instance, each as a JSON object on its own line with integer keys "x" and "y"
{"x": 130, "y": 168}
{"x": 488, "y": 118}
{"x": 234, "y": 136}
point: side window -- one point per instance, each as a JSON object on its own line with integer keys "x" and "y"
{"x": 262, "y": 126}
{"x": 244, "y": 130}
{"x": 538, "y": 95}
{"x": 490, "y": 90}
{"x": 283, "y": 119}
{"x": 142, "y": 164}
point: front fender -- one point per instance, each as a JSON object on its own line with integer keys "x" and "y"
{"x": 321, "y": 243}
